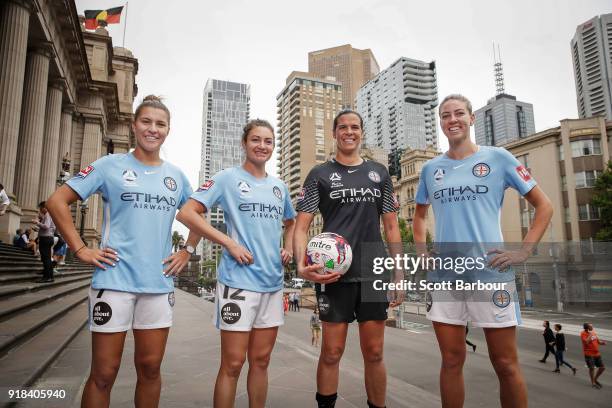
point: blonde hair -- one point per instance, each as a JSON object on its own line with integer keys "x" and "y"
{"x": 152, "y": 101}
{"x": 456, "y": 97}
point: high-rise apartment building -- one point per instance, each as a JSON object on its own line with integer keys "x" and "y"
{"x": 306, "y": 109}
{"x": 349, "y": 66}
{"x": 503, "y": 120}
{"x": 398, "y": 106}
{"x": 592, "y": 60}
{"x": 225, "y": 113}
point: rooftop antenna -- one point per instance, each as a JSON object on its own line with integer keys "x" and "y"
{"x": 498, "y": 70}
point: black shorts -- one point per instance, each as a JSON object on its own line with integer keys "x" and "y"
{"x": 593, "y": 361}
{"x": 343, "y": 302}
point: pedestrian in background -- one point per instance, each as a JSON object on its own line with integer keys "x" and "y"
{"x": 560, "y": 349}
{"x": 549, "y": 341}
{"x": 592, "y": 357}
{"x": 4, "y": 200}
{"x": 46, "y": 230}
{"x": 315, "y": 327}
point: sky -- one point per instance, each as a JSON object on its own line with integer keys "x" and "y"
{"x": 179, "y": 45}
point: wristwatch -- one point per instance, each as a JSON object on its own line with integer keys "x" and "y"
{"x": 190, "y": 250}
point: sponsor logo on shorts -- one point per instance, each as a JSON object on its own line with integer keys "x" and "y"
{"x": 170, "y": 183}
{"x": 206, "y": 185}
{"x": 85, "y": 172}
{"x": 101, "y": 313}
{"x": 277, "y": 193}
{"x": 171, "y": 299}
{"x": 481, "y": 170}
{"x": 428, "y": 301}
{"x": 374, "y": 176}
{"x": 324, "y": 304}
{"x": 230, "y": 313}
{"x": 501, "y": 298}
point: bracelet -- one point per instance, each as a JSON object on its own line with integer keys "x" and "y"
{"x": 77, "y": 251}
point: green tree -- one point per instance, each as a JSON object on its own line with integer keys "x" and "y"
{"x": 602, "y": 199}
{"x": 405, "y": 232}
{"x": 176, "y": 238}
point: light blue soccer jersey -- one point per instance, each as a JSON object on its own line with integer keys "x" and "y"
{"x": 139, "y": 204}
{"x": 467, "y": 197}
{"x": 254, "y": 210}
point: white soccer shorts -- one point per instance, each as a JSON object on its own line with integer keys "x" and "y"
{"x": 481, "y": 308}
{"x": 112, "y": 311}
{"x": 243, "y": 310}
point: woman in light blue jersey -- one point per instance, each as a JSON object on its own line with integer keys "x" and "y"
{"x": 249, "y": 298}
{"x": 130, "y": 288}
{"x": 465, "y": 187}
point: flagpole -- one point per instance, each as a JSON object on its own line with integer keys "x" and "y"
{"x": 125, "y": 22}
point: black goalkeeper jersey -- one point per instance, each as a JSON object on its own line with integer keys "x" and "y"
{"x": 351, "y": 200}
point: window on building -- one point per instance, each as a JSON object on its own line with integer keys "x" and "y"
{"x": 585, "y": 147}
{"x": 585, "y": 179}
{"x": 567, "y": 215}
{"x": 523, "y": 159}
{"x": 561, "y": 154}
{"x": 520, "y": 122}
{"x": 588, "y": 212}
{"x": 563, "y": 183}
{"x": 489, "y": 133}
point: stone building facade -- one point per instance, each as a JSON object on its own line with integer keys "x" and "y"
{"x": 66, "y": 99}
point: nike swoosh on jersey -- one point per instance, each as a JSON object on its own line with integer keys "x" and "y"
{"x": 352, "y": 171}
{"x": 456, "y": 167}
{"x": 150, "y": 172}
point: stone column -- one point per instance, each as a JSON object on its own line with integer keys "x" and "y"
{"x": 92, "y": 150}
{"x": 65, "y": 137}
{"x": 27, "y": 167}
{"x": 49, "y": 167}
{"x": 14, "y": 24}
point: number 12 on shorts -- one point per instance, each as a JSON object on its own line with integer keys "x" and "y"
{"x": 234, "y": 296}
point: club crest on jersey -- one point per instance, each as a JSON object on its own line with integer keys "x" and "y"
{"x": 85, "y": 172}
{"x": 277, "y": 193}
{"x": 523, "y": 172}
{"x": 481, "y": 170}
{"x": 374, "y": 176}
{"x": 170, "y": 183}
{"x": 335, "y": 177}
{"x": 206, "y": 185}
{"x": 501, "y": 298}
{"x": 244, "y": 187}
{"x": 129, "y": 177}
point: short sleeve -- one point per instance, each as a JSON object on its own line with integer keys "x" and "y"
{"x": 308, "y": 199}
{"x": 89, "y": 180}
{"x": 211, "y": 192}
{"x": 389, "y": 200}
{"x": 186, "y": 191}
{"x": 422, "y": 195}
{"x": 516, "y": 175}
{"x": 288, "y": 212}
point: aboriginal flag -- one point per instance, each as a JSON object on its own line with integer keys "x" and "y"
{"x": 110, "y": 16}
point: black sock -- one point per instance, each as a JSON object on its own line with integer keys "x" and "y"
{"x": 327, "y": 401}
{"x": 370, "y": 405}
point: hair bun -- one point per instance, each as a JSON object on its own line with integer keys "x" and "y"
{"x": 154, "y": 98}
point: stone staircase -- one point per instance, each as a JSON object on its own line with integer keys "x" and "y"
{"x": 37, "y": 321}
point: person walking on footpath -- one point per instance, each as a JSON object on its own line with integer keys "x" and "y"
{"x": 292, "y": 302}
{"x": 315, "y": 327}
{"x": 46, "y": 231}
{"x": 549, "y": 341}
{"x": 592, "y": 357}
{"x": 560, "y": 349}
{"x": 296, "y": 301}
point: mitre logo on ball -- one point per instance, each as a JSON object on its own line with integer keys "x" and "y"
{"x": 330, "y": 250}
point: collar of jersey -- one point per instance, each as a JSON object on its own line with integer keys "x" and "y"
{"x": 252, "y": 177}
{"x": 333, "y": 160}
{"x": 145, "y": 166}
{"x": 471, "y": 156}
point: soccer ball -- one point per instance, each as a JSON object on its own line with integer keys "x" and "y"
{"x": 330, "y": 250}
